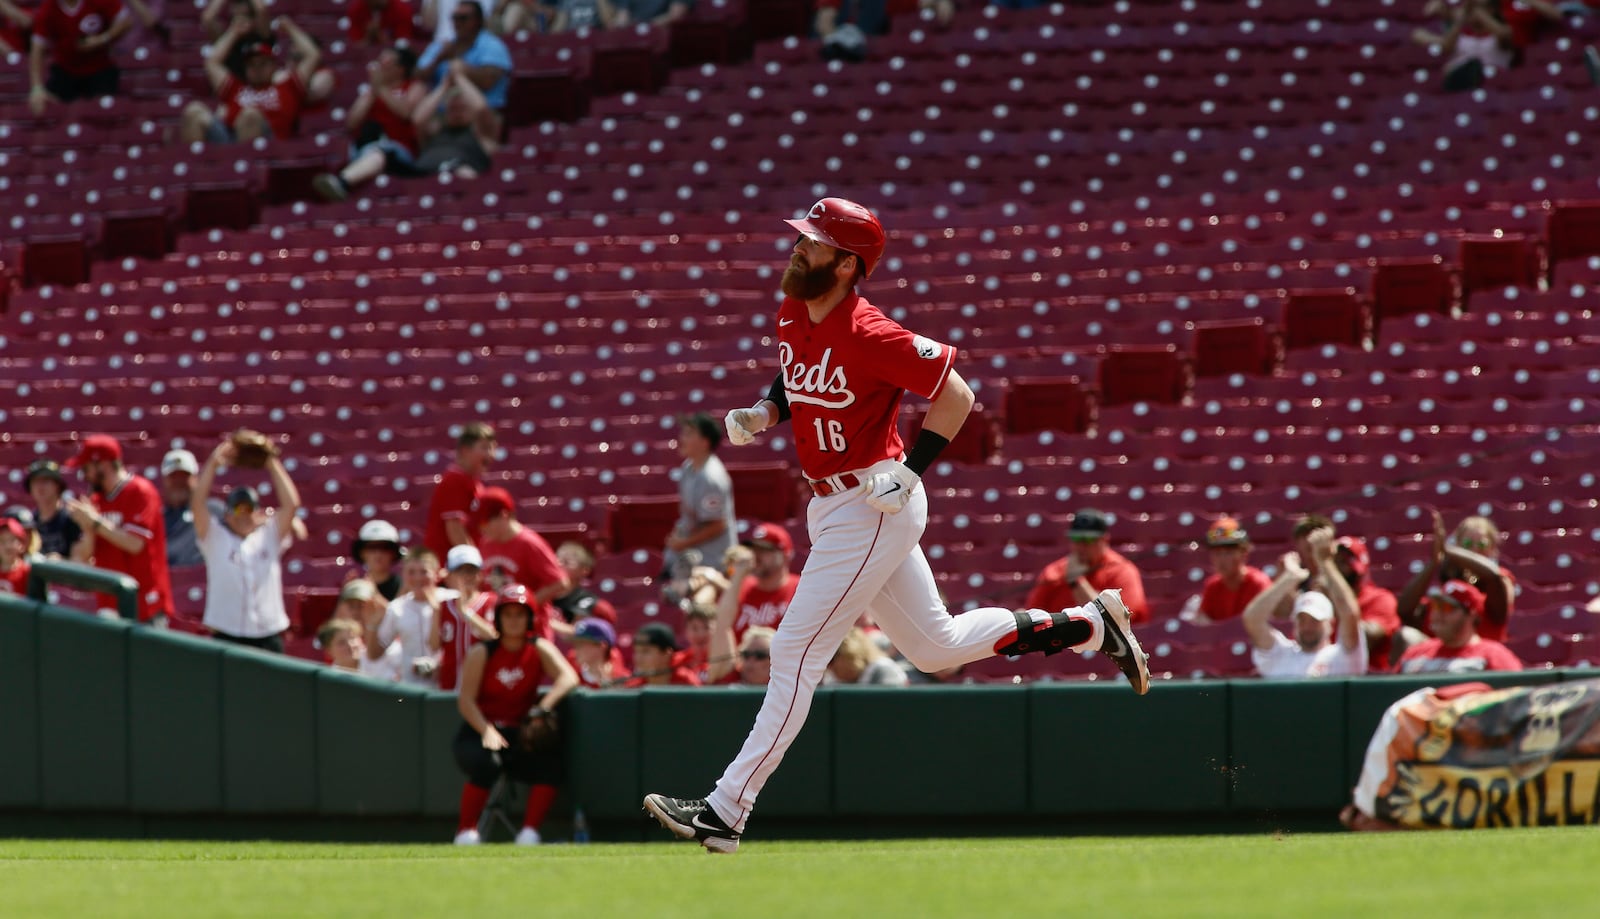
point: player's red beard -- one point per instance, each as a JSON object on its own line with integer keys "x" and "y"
{"x": 805, "y": 283}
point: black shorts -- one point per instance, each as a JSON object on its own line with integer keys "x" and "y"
{"x": 273, "y": 643}
{"x": 481, "y": 768}
{"x": 66, "y": 87}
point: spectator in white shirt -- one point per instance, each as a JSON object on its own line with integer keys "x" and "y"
{"x": 243, "y": 553}
{"x": 409, "y": 619}
{"x": 1320, "y": 648}
{"x": 362, "y": 607}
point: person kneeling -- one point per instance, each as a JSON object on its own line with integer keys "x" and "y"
{"x": 499, "y": 688}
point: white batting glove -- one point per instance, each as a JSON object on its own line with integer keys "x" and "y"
{"x": 744, "y": 424}
{"x": 889, "y": 491}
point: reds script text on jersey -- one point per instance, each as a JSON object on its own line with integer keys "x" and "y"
{"x": 844, "y": 378}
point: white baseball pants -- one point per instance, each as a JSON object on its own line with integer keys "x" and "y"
{"x": 860, "y": 559}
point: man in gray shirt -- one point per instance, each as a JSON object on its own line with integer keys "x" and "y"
{"x": 178, "y": 469}
{"x": 705, "y": 496}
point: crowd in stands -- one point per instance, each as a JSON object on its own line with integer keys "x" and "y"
{"x": 414, "y": 614}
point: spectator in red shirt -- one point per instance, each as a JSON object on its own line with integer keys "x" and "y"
{"x": 515, "y": 554}
{"x": 267, "y": 103}
{"x": 595, "y": 657}
{"x": 1471, "y": 554}
{"x": 14, "y": 539}
{"x": 699, "y": 620}
{"x": 380, "y": 22}
{"x": 1454, "y": 611}
{"x": 123, "y": 527}
{"x": 1378, "y": 616}
{"x": 459, "y": 623}
{"x": 380, "y": 121}
{"x": 451, "y": 510}
{"x": 764, "y": 587}
{"x": 654, "y": 650}
{"x": 1234, "y": 582}
{"x": 1092, "y": 566}
{"x": 77, "y": 35}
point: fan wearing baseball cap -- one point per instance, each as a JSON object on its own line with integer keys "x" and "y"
{"x": 1328, "y": 641}
{"x": 1379, "y": 616}
{"x": 655, "y": 649}
{"x": 1234, "y": 582}
{"x": 1090, "y": 568}
{"x": 378, "y": 551}
{"x": 178, "y": 469}
{"x": 122, "y": 526}
{"x": 58, "y": 532}
{"x": 761, "y": 586}
{"x": 515, "y": 554}
{"x": 460, "y": 622}
{"x": 267, "y": 102}
{"x": 595, "y": 656}
{"x": 1454, "y": 610}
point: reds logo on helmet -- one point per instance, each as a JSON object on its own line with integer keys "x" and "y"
{"x": 845, "y": 225}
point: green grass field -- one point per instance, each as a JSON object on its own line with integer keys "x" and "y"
{"x": 1509, "y": 872}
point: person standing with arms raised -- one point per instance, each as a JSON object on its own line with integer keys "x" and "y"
{"x": 844, "y": 368}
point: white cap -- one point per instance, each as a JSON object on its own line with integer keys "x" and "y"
{"x": 379, "y": 531}
{"x": 1314, "y": 605}
{"x": 179, "y": 461}
{"x": 461, "y": 556}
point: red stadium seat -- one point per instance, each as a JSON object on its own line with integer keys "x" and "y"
{"x": 973, "y": 444}
{"x": 1035, "y": 404}
{"x": 1401, "y": 287}
{"x": 641, "y": 523}
{"x": 144, "y": 233}
{"x": 1490, "y": 262}
{"x": 1227, "y": 347}
{"x": 228, "y": 205}
{"x": 1572, "y": 230}
{"x": 765, "y": 491}
{"x": 1155, "y": 373}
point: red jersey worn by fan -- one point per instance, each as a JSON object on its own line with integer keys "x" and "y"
{"x": 15, "y": 581}
{"x": 279, "y": 102}
{"x": 1054, "y": 592}
{"x": 1481, "y": 654}
{"x": 394, "y": 21}
{"x": 681, "y": 676}
{"x": 510, "y": 684}
{"x": 1219, "y": 602}
{"x": 135, "y": 506}
{"x": 839, "y": 422}
{"x": 455, "y": 636}
{"x": 1379, "y": 606}
{"x": 454, "y": 498}
{"x": 758, "y": 607}
{"x": 62, "y": 29}
{"x": 524, "y": 559}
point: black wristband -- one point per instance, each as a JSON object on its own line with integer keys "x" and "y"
{"x": 779, "y": 397}
{"x": 927, "y": 449}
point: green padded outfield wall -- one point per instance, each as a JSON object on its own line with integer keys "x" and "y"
{"x": 159, "y": 732}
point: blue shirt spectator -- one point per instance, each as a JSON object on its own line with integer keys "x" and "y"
{"x": 486, "y": 57}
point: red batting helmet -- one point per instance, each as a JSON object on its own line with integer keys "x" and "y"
{"x": 845, "y": 225}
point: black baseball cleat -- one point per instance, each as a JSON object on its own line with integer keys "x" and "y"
{"x": 1119, "y": 643}
{"x": 693, "y": 819}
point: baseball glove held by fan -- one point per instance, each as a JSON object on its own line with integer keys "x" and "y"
{"x": 539, "y": 732}
{"x": 252, "y": 449}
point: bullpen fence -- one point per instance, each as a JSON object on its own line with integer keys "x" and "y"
{"x": 114, "y": 729}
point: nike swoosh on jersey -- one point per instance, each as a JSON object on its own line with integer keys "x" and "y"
{"x": 784, "y": 322}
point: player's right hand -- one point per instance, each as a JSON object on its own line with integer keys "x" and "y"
{"x": 744, "y": 424}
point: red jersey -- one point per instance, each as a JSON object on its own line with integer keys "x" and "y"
{"x": 1053, "y": 592}
{"x": 399, "y": 129}
{"x": 135, "y": 506}
{"x": 1219, "y": 602}
{"x": 510, "y": 686}
{"x": 844, "y": 378}
{"x": 456, "y": 637}
{"x": 15, "y": 581}
{"x": 61, "y": 29}
{"x": 279, "y": 102}
{"x": 1432, "y": 656}
{"x": 394, "y": 21}
{"x": 454, "y": 498}
{"x": 759, "y": 607}
{"x": 524, "y": 559}
{"x": 1379, "y": 606}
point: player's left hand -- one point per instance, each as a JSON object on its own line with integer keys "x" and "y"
{"x": 889, "y": 491}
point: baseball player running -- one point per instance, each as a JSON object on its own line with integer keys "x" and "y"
{"x": 844, "y": 366}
